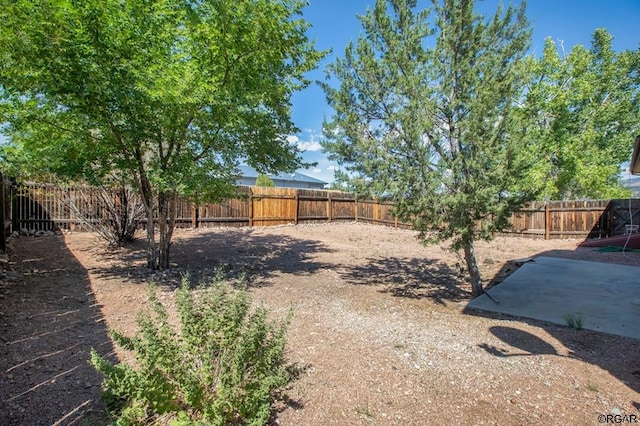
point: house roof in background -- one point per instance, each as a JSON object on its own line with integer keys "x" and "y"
{"x": 250, "y": 172}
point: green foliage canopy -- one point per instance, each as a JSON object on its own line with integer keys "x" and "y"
{"x": 581, "y": 113}
{"x": 264, "y": 180}
{"x": 172, "y": 94}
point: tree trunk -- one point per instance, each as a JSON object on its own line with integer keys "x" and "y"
{"x": 152, "y": 253}
{"x": 166, "y": 223}
{"x": 162, "y": 228}
{"x": 474, "y": 272}
{"x": 149, "y": 207}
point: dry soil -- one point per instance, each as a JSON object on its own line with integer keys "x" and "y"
{"x": 380, "y": 331}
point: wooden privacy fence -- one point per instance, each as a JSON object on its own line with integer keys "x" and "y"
{"x": 576, "y": 219}
{"x": 563, "y": 219}
{"x": 44, "y": 207}
{"x": 47, "y": 207}
{"x": 264, "y": 206}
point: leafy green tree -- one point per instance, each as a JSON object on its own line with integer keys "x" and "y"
{"x": 175, "y": 94}
{"x": 581, "y": 113}
{"x": 431, "y": 128}
{"x": 264, "y": 180}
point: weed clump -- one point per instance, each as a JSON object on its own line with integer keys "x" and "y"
{"x": 575, "y": 321}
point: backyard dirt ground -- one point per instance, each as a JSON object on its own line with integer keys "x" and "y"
{"x": 380, "y": 330}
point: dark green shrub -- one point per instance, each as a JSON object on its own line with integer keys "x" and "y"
{"x": 223, "y": 367}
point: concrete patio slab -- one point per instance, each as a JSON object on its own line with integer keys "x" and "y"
{"x": 606, "y": 296}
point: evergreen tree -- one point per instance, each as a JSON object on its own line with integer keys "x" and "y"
{"x": 431, "y": 127}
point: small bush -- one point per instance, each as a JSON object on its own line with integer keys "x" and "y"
{"x": 222, "y": 368}
{"x": 575, "y": 321}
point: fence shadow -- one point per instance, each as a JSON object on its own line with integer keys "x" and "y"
{"x": 50, "y": 321}
{"x": 234, "y": 251}
{"x": 30, "y": 215}
{"x": 414, "y": 278}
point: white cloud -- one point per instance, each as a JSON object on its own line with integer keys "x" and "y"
{"x": 309, "y": 146}
{"x": 316, "y": 171}
{"x": 332, "y": 168}
{"x": 310, "y": 141}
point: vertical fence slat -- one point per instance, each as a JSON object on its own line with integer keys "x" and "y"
{"x": 251, "y": 207}
{"x": 547, "y": 221}
{"x": 355, "y": 209}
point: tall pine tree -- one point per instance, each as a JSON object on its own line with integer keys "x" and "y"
{"x": 431, "y": 127}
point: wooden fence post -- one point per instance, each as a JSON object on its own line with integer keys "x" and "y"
{"x": 375, "y": 211}
{"x": 297, "y": 201}
{"x": 250, "y": 207}
{"x": 329, "y": 207}
{"x": 547, "y": 221}
{"x": 355, "y": 208}
{"x": 194, "y": 215}
{"x": 611, "y": 224}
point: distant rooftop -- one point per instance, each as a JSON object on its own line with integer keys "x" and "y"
{"x": 250, "y": 172}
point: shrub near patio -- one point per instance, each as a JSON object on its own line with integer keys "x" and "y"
{"x": 223, "y": 367}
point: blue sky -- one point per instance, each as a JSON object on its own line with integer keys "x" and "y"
{"x": 335, "y": 24}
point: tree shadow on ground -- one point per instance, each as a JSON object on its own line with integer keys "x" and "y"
{"x": 238, "y": 253}
{"x": 618, "y": 355}
{"x": 49, "y": 322}
{"x": 507, "y": 269}
{"x": 413, "y": 278}
{"x": 525, "y": 343}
